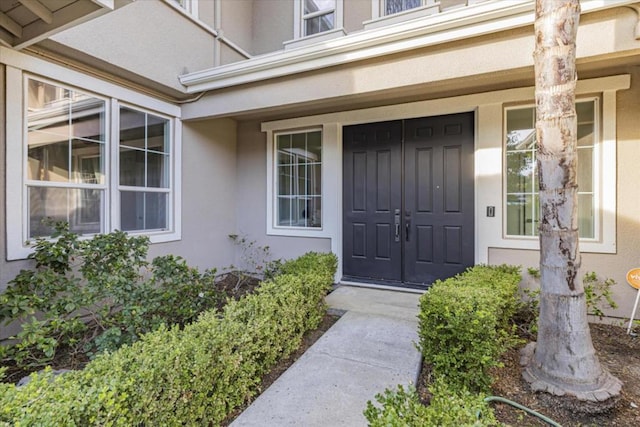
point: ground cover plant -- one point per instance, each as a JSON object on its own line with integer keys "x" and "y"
{"x": 195, "y": 375}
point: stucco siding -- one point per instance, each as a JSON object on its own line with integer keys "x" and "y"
{"x": 148, "y": 38}
{"x": 252, "y": 201}
{"x": 355, "y": 13}
{"x": 272, "y": 25}
{"x": 208, "y": 195}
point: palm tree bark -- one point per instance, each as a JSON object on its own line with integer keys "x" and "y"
{"x": 563, "y": 362}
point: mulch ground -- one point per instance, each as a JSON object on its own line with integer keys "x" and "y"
{"x": 617, "y": 351}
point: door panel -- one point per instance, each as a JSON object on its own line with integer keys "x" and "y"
{"x": 371, "y": 194}
{"x": 440, "y": 239}
{"x": 408, "y": 199}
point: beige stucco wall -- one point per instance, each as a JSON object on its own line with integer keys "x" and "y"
{"x": 355, "y": 13}
{"x": 473, "y": 65}
{"x": 235, "y": 17}
{"x": 148, "y": 38}
{"x": 208, "y": 195}
{"x": 616, "y": 265}
{"x": 272, "y": 25}
{"x": 252, "y": 199}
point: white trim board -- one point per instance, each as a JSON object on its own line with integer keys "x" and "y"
{"x": 457, "y": 24}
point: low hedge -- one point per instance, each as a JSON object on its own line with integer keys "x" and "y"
{"x": 465, "y": 324}
{"x": 193, "y": 376}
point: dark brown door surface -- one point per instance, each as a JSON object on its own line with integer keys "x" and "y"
{"x": 408, "y": 200}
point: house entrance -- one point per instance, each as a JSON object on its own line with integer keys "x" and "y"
{"x": 408, "y": 200}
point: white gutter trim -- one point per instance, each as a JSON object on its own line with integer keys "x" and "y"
{"x": 474, "y": 20}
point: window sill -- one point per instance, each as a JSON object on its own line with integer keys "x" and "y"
{"x": 298, "y": 232}
{"x": 396, "y": 18}
{"x": 315, "y": 38}
{"x": 23, "y": 252}
{"x": 533, "y": 243}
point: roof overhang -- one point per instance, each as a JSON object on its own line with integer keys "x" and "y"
{"x": 479, "y": 19}
{"x": 26, "y": 22}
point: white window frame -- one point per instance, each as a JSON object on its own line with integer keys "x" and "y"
{"x": 604, "y": 178}
{"x": 18, "y": 68}
{"x": 272, "y": 181}
{"x": 189, "y": 6}
{"x": 299, "y": 20}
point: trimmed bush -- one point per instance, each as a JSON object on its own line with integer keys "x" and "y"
{"x": 465, "y": 324}
{"x": 448, "y": 407}
{"x": 194, "y": 376}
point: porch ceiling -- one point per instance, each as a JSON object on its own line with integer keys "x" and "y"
{"x": 25, "y": 22}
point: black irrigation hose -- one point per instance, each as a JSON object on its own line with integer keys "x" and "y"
{"x": 524, "y": 408}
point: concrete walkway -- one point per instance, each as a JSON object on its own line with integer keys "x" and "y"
{"x": 369, "y": 349}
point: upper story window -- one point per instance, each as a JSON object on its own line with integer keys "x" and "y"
{"x": 93, "y": 161}
{"x": 190, "y": 6}
{"x": 318, "y": 16}
{"x": 522, "y": 199}
{"x": 395, "y": 6}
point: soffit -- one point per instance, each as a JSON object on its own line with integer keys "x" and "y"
{"x": 25, "y": 22}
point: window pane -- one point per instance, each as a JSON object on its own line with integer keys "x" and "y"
{"x": 585, "y": 169}
{"x": 132, "y": 167}
{"x": 299, "y": 187}
{"x": 143, "y": 211}
{"x": 48, "y": 161}
{"x": 157, "y": 134}
{"x": 81, "y": 208}
{"x": 311, "y": 6}
{"x": 395, "y": 6}
{"x": 521, "y": 172}
{"x": 87, "y": 162}
{"x": 157, "y": 170}
{"x": 87, "y": 118}
{"x": 585, "y": 216}
{"x": 132, "y": 128}
{"x": 522, "y": 215}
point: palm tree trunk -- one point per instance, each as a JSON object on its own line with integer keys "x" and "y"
{"x": 563, "y": 362}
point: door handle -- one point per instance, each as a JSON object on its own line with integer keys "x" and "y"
{"x": 407, "y": 227}
{"x": 397, "y": 224}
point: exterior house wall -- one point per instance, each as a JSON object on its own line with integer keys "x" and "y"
{"x": 627, "y": 255}
{"x": 208, "y": 195}
{"x": 153, "y": 40}
{"x": 234, "y": 16}
{"x": 272, "y": 25}
{"x": 252, "y": 200}
{"x": 355, "y": 13}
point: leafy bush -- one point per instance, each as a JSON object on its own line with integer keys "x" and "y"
{"x": 97, "y": 294}
{"x": 465, "y": 324}
{"x": 193, "y": 376}
{"x": 597, "y": 293}
{"x": 448, "y": 407}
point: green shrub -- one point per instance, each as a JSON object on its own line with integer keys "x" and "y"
{"x": 194, "y": 376}
{"x": 465, "y": 324}
{"x": 97, "y": 294}
{"x": 448, "y": 407}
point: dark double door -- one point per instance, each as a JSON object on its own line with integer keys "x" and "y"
{"x": 408, "y": 200}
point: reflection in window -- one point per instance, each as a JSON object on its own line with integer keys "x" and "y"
{"x": 144, "y": 171}
{"x": 299, "y": 183}
{"x": 522, "y": 201}
{"x": 396, "y": 6}
{"x": 65, "y": 158}
{"x": 318, "y": 16}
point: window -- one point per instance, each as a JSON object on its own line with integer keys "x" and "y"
{"x": 190, "y": 6}
{"x": 396, "y": 6}
{"x": 522, "y": 201}
{"x": 95, "y": 163}
{"x": 318, "y": 16}
{"x": 298, "y": 167}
